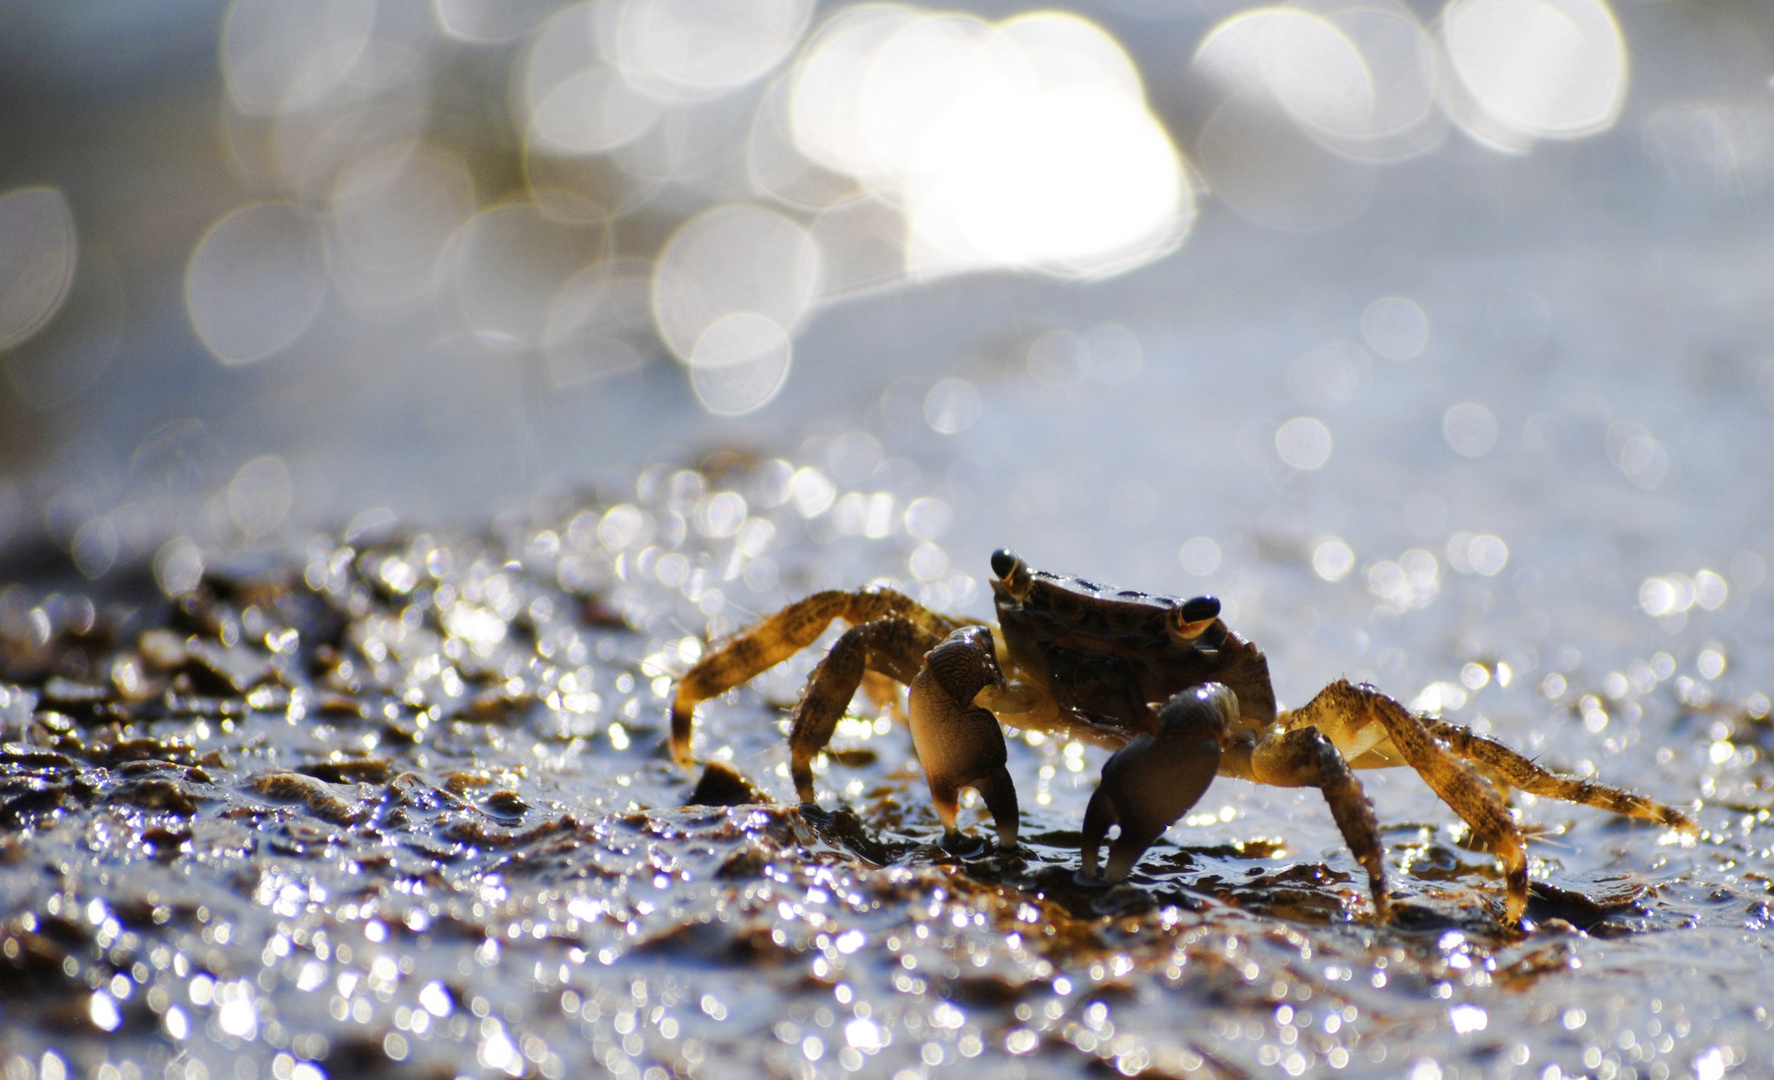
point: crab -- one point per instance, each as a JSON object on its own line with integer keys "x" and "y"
{"x": 1164, "y": 682}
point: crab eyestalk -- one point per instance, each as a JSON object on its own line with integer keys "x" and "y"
{"x": 1189, "y": 622}
{"x": 1153, "y": 781}
{"x": 959, "y": 744}
{"x": 1013, "y": 573}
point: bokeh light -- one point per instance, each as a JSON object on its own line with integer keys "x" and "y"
{"x": 1470, "y": 428}
{"x": 1295, "y": 124}
{"x": 390, "y": 215}
{"x": 67, "y": 355}
{"x": 256, "y": 281}
{"x": 38, "y": 253}
{"x": 952, "y": 406}
{"x": 508, "y": 264}
{"x": 740, "y": 362}
{"x": 279, "y": 56}
{"x": 488, "y": 22}
{"x": 1332, "y": 375}
{"x": 1199, "y": 555}
{"x": 1395, "y": 327}
{"x": 763, "y": 169}
{"x": 259, "y": 496}
{"x": 1021, "y": 145}
{"x": 1533, "y": 69}
{"x": 733, "y": 260}
{"x": 687, "y": 48}
{"x": 1304, "y": 443}
{"x": 576, "y": 101}
{"x": 601, "y": 322}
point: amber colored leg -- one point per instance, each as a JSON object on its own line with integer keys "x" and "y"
{"x": 1347, "y": 707}
{"x": 894, "y": 647}
{"x": 1519, "y": 772}
{"x": 779, "y": 637}
{"x": 883, "y": 692}
{"x": 1305, "y": 757}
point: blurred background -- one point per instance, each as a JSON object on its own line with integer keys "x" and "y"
{"x": 1334, "y": 308}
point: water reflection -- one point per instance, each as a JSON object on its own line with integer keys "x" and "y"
{"x": 1039, "y": 153}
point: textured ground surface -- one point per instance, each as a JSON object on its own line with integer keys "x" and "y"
{"x": 398, "y": 806}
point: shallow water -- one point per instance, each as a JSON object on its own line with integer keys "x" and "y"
{"x": 399, "y": 804}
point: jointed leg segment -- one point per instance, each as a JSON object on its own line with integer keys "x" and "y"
{"x": 1511, "y": 768}
{"x": 894, "y": 647}
{"x": 1346, "y": 708}
{"x": 1306, "y": 757}
{"x": 780, "y": 636}
{"x": 1127, "y": 847}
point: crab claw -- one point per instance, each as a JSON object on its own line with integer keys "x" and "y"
{"x": 959, "y": 744}
{"x": 1153, "y": 780}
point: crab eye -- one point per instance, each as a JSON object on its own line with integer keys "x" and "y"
{"x": 1004, "y": 561}
{"x": 1190, "y": 619}
{"x": 1012, "y": 572}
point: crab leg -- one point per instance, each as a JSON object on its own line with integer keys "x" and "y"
{"x": 959, "y": 744}
{"x": 1342, "y": 707}
{"x": 1306, "y": 757}
{"x": 1517, "y": 771}
{"x": 894, "y": 647}
{"x": 779, "y": 637}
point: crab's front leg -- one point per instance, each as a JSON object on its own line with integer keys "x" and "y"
{"x": 959, "y": 744}
{"x": 1154, "y": 780}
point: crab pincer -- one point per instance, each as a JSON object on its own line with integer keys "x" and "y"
{"x": 958, "y": 743}
{"x": 1153, "y": 780}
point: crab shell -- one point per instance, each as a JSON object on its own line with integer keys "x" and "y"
{"x": 1111, "y": 657}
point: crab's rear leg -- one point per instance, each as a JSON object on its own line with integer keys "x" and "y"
{"x": 780, "y": 636}
{"x": 1342, "y": 711}
{"x": 1306, "y": 757}
{"x": 894, "y": 647}
{"x": 1518, "y": 772}
{"x": 959, "y": 744}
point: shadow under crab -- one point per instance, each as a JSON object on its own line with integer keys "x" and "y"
{"x": 1179, "y": 696}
